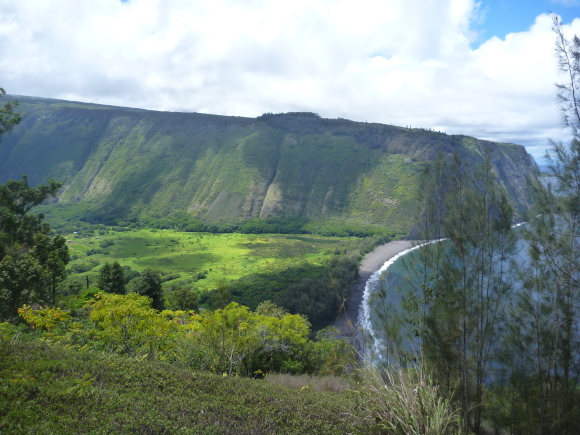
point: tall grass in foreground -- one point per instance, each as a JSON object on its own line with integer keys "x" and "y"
{"x": 406, "y": 401}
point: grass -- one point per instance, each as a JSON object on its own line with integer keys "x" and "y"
{"x": 406, "y": 401}
{"x": 48, "y": 389}
{"x": 334, "y": 384}
{"x": 222, "y": 256}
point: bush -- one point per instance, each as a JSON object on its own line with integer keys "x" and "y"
{"x": 81, "y": 267}
{"x": 405, "y": 400}
{"x": 106, "y": 243}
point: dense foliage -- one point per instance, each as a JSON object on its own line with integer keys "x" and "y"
{"x": 32, "y": 263}
{"x": 232, "y": 340}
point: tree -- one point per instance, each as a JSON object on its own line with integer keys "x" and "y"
{"x": 32, "y": 262}
{"x": 8, "y": 117}
{"x": 127, "y": 324}
{"x": 465, "y": 290}
{"x": 111, "y": 278}
{"x": 181, "y": 298}
{"x": 546, "y": 320}
{"x": 54, "y": 254}
{"x": 149, "y": 284}
{"x": 237, "y": 340}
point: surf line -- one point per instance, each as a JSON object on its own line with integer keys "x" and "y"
{"x": 365, "y": 309}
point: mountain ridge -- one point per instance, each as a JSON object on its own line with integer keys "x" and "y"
{"x": 126, "y": 163}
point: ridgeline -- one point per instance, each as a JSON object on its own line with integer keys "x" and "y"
{"x": 121, "y": 164}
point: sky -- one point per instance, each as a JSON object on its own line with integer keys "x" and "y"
{"x": 481, "y": 68}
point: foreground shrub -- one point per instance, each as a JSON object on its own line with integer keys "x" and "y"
{"x": 127, "y": 324}
{"x": 406, "y": 401}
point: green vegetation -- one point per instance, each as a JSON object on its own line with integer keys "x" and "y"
{"x": 45, "y": 388}
{"x": 234, "y": 340}
{"x": 277, "y": 173}
{"x": 120, "y": 366}
{"x": 306, "y": 274}
{"x": 32, "y": 262}
{"x": 407, "y": 401}
{"x": 111, "y": 278}
{"x": 230, "y": 256}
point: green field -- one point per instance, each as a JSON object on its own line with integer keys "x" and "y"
{"x": 217, "y": 256}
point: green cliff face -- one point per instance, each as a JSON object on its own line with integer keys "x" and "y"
{"x": 119, "y": 163}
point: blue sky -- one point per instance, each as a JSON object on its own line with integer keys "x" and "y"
{"x": 500, "y": 17}
{"x": 483, "y": 68}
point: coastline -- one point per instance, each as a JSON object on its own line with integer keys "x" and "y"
{"x": 347, "y": 320}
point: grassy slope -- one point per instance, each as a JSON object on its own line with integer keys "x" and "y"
{"x": 122, "y": 163}
{"x": 46, "y": 389}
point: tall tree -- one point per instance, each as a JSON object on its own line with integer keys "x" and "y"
{"x": 465, "y": 288}
{"x": 111, "y": 278}
{"x": 32, "y": 262}
{"x": 545, "y": 385}
{"x": 149, "y": 284}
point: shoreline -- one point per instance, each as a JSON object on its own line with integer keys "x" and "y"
{"x": 348, "y": 319}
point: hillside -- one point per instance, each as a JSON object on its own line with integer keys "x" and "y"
{"x": 123, "y": 164}
{"x": 46, "y": 388}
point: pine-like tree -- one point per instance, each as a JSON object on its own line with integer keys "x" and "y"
{"x": 545, "y": 326}
{"x": 466, "y": 283}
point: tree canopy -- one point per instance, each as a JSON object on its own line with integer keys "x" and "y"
{"x": 8, "y": 116}
{"x": 32, "y": 262}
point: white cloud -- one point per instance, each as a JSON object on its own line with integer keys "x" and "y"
{"x": 390, "y": 61}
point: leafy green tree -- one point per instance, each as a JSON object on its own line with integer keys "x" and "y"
{"x": 111, "y": 278}
{"x": 17, "y": 198}
{"x": 54, "y": 254}
{"x": 8, "y": 117}
{"x": 236, "y": 340}
{"x": 149, "y": 284}
{"x": 32, "y": 263}
{"x": 127, "y": 324}
{"x": 22, "y": 281}
{"x": 181, "y": 298}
